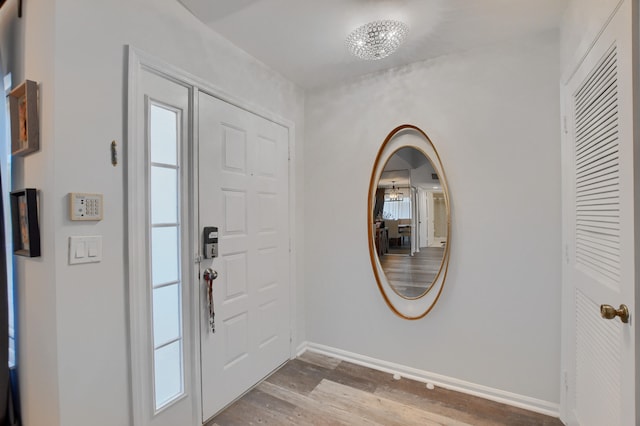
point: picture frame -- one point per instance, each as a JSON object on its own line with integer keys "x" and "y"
{"x": 23, "y": 106}
{"x": 24, "y": 222}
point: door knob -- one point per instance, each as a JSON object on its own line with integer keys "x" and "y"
{"x": 609, "y": 312}
{"x": 210, "y": 275}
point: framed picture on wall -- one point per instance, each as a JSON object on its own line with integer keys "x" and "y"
{"x": 24, "y": 218}
{"x": 23, "y": 105}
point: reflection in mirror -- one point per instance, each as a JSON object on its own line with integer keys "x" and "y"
{"x": 410, "y": 216}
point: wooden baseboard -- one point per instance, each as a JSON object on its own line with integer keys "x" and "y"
{"x": 509, "y": 398}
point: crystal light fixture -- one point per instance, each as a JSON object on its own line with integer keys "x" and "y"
{"x": 377, "y": 40}
{"x": 394, "y": 194}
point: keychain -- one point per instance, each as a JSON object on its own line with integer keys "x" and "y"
{"x": 209, "y": 276}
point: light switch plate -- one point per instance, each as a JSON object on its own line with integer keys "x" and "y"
{"x": 85, "y": 249}
{"x": 84, "y": 206}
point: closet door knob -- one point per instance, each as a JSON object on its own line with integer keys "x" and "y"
{"x": 609, "y": 312}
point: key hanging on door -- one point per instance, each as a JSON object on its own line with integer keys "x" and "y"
{"x": 209, "y": 276}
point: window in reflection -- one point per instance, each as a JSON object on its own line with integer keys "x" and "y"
{"x": 399, "y": 209}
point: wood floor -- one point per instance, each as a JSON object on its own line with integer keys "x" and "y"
{"x": 412, "y": 276}
{"x": 318, "y": 390}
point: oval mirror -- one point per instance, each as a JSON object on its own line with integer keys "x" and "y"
{"x": 409, "y": 222}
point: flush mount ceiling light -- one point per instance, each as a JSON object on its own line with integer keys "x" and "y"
{"x": 377, "y": 40}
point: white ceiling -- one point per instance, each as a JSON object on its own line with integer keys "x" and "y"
{"x": 408, "y": 166}
{"x": 304, "y": 39}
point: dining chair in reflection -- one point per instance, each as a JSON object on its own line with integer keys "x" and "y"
{"x": 394, "y": 235}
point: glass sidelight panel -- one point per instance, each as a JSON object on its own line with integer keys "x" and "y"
{"x": 164, "y": 254}
{"x": 168, "y": 373}
{"x": 164, "y": 135}
{"x": 165, "y": 231}
{"x": 164, "y": 195}
{"x": 166, "y": 314}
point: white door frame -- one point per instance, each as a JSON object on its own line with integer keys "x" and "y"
{"x": 137, "y": 61}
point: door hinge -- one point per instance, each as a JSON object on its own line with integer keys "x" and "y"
{"x": 566, "y": 253}
{"x": 564, "y": 124}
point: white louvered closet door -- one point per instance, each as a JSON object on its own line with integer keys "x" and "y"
{"x": 598, "y": 200}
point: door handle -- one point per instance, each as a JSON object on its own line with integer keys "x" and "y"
{"x": 210, "y": 274}
{"x": 609, "y": 312}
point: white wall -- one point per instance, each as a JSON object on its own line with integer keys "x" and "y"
{"x": 82, "y": 308}
{"x": 27, "y": 49}
{"x": 493, "y": 114}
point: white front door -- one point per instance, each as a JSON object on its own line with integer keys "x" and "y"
{"x": 243, "y": 191}
{"x": 599, "y": 221}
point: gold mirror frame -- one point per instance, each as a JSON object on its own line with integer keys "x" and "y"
{"x": 403, "y": 136}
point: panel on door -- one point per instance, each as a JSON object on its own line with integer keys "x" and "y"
{"x": 243, "y": 190}
{"x": 599, "y": 230}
